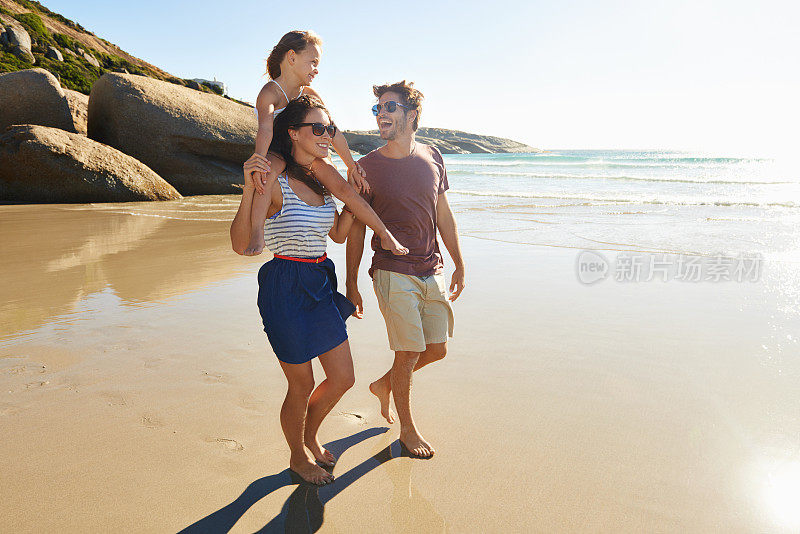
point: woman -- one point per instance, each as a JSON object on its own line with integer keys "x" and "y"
{"x": 302, "y": 312}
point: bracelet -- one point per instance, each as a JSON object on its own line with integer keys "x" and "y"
{"x": 346, "y": 209}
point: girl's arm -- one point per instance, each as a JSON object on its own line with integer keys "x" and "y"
{"x": 241, "y": 228}
{"x": 261, "y": 205}
{"x": 342, "y": 225}
{"x": 355, "y": 173}
{"x": 265, "y": 105}
{"x": 333, "y": 182}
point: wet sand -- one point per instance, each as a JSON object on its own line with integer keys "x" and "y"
{"x": 139, "y": 393}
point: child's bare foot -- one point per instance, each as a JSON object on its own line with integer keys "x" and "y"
{"x": 389, "y": 243}
{"x": 309, "y": 471}
{"x": 255, "y": 247}
{"x": 382, "y": 391}
{"x": 416, "y": 444}
{"x": 320, "y": 453}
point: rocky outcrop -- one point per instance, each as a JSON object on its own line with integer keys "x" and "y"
{"x": 33, "y": 96}
{"x": 196, "y": 141}
{"x": 15, "y": 37}
{"x": 473, "y": 143}
{"x": 91, "y": 59}
{"x": 42, "y": 164}
{"x": 447, "y": 141}
{"x": 79, "y": 107}
{"x": 54, "y": 53}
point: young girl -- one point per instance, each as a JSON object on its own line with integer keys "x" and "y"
{"x": 292, "y": 66}
{"x": 302, "y": 311}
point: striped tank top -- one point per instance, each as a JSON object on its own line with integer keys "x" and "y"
{"x": 297, "y": 229}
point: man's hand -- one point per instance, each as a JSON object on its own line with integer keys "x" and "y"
{"x": 356, "y": 177}
{"x": 457, "y": 283}
{"x": 355, "y": 297}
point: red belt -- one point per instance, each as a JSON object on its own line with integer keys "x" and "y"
{"x": 304, "y": 260}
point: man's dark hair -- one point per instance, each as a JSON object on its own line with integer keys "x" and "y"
{"x": 410, "y": 97}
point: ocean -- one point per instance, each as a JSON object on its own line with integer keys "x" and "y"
{"x": 653, "y": 201}
{"x": 650, "y": 201}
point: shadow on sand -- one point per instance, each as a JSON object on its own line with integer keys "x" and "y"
{"x": 304, "y": 510}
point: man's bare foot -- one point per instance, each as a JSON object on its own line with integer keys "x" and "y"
{"x": 322, "y": 455}
{"x": 416, "y": 444}
{"x": 382, "y": 391}
{"x": 255, "y": 247}
{"x": 310, "y": 471}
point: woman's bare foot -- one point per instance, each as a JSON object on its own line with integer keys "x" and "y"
{"x": 322, "y": 455}
{"x": 416, "y": 444}
{"x": 382, "y": 391}
{"x": 309, "y": 471}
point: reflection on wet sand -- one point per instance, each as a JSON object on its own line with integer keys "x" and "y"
{"x": 621, "y": 407}
{"x": 56, "y": 255}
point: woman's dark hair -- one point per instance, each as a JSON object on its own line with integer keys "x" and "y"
{"x": 296, "y": 40}
{"x": 294, "y": 113}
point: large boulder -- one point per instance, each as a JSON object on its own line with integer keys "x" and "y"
{"x": 91, "y": 59}
{"x": 33, "y": 96}
{"x": 196, "y": 141}
{"x": 19, "y": 41}
{"x": 48, "y": 165}
{"x": 79, "y": 107}
{"x": 17, "y": 35}
{"x": 23, "y": 53}
{"x": 53, "y": 53}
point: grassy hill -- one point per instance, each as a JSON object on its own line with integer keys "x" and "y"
{"x": 86, "y": 57}
{"x": 47, "y": 29}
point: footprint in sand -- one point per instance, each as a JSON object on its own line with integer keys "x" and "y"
{"x": 229, "y": 444}
{"x": 212, "y": 377}
{"x": 114, "y": 399}
{"x": 151, "y": 421}
{"x": 17, "y": 369}
{"x": 153, "y": 363}
{"x": 353, "y": 417}
{"x": 254, "y": 404}
{"x": 8, "y": 409}
{"x": 37, "y": 384}
{"x": 236, "y": 353}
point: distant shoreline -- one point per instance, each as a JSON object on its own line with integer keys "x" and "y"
{"x": 447, "y": 141}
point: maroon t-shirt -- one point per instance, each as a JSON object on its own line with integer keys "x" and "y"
{"x": 404, "y": 193}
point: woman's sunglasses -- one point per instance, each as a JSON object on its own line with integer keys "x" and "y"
{"x": 317, "y": 128}
{"x": 390, "y": 107}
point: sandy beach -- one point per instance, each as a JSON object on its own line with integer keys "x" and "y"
{"x": 139, "y": 393}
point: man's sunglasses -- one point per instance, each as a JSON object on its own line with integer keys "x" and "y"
{"x": 317, "y": 128}
{"x": 389, "y": 106}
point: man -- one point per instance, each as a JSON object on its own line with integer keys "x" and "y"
{"x": 407, "y": 182}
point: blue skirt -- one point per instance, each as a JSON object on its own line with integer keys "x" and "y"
{"x": 302, "y": 312}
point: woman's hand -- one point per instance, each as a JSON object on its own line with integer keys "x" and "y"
{"x": 389, "y": 243}
{"x": 256, "y": 171}
{"x": 356, "y": 177}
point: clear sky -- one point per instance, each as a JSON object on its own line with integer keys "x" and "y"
{"x": 718, "y": 76}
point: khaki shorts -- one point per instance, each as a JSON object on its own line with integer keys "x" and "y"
{"x": 415, "y": 308}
